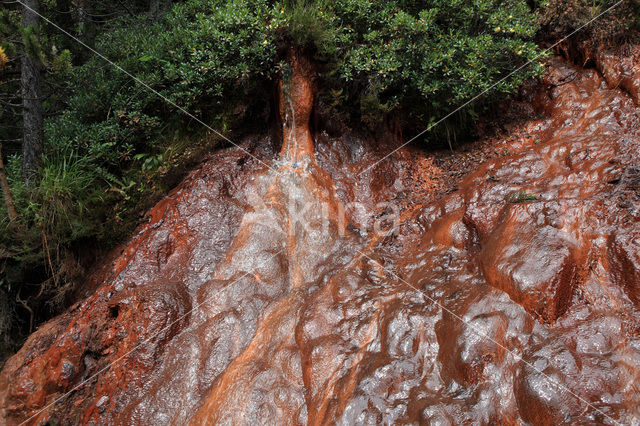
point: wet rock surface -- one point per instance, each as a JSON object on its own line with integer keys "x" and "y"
{"x": 336, "y": 292}
{"x": 621, "y": 68}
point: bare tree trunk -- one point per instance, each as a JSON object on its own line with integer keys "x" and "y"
{"x": 157, "y": 8}
{"x": 154, "y": 9}
{"x": 6, "y": 192}
{"x": 85, "y": 23}
{"x": 32, "y": 139}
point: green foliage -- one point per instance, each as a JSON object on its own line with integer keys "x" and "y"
{"x": 521, "y": 196}
{"x": 31, "y": 42}
{"x": 422, "y": 59}
{"x": 308, "y": 24}
{"x": 61, "y": 206}
{"x": 61, "y": 63}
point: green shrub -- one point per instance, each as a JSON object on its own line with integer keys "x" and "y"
{"x": 420, "y": 60}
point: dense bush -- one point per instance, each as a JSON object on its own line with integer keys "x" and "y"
{"x": 215, "y": 58}
{"x": 422, "y": 59}
{"x": 111, "y": 140}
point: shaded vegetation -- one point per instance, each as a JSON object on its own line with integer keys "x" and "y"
{"x": 617, "y": 22}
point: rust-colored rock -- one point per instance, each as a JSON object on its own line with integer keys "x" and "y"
{"x": 621, "y": 68}
{"x": 277, "y": 296}
{"x": 528, "y": 256}
{"x": 296, "y": 99}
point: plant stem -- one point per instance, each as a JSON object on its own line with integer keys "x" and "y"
{"x": 8, "y": 199}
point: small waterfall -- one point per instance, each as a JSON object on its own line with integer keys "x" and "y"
{"x": 296, "y": 103}
{"x": 289, "y": 117}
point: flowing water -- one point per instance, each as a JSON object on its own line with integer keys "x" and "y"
{"x": 324, "y": 291}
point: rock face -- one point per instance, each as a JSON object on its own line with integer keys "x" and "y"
{"x": 621, "y": 68}
{"x": 343, "y": 293}
{"x": 296, "y": 100}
